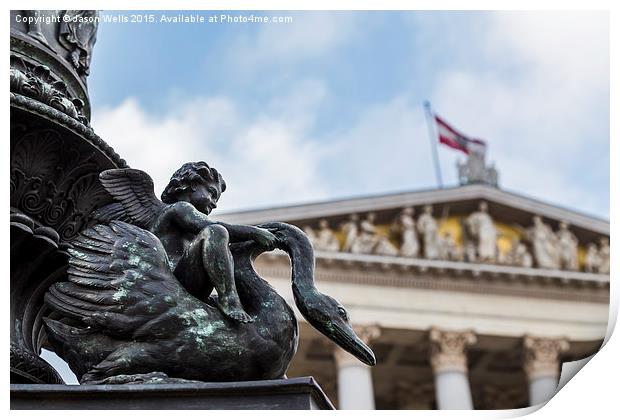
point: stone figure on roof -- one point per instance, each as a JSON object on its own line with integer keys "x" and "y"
{"x": 592, "y": 260}
{"x": 325, "y": 238}
{"x": 567, "y": 248}
{"x": 310, "y": 233}
{"x": 544, "y": 244}
{"x": 603, "y": 255}
{"x": 350, "y": 230}
{"x": 404, "y": 228}
{"x": 429, "y": 230}
{"x": 368, "y": 238}
{"x": 482, "y": 230}
{"x": 519, "y": 255}
{"x": 449, "y": 249}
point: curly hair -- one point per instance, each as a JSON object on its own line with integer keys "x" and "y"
{"x": 188, "y": 174}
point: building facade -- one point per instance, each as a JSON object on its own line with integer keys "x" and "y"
{"x": 471, "y": 297}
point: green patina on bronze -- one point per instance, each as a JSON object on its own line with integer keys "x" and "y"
{"x": 143, "y": 291}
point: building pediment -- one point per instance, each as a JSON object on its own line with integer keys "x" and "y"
{"x": 505, "y": 232}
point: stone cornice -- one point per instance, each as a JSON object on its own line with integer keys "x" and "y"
{"x": 448, "y": 275}
{"x": 461, "y": 267}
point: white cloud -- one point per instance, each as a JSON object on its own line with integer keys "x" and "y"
{"x": 540, "y": 99}
{"x": 386, "y": 149}
{"x": 311, "y": 35}
{"x": 530, "y": 84}
{"x": 270, "y": 159}
{"x": 264, "y": 159}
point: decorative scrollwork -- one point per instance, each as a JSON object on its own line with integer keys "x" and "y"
{"x": 27, "y": 365}
{"x": 36, "y": 107}
{"x": 52, "y": 181}
{"x": 37, "y": 82}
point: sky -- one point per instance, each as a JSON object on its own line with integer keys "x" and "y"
{"x": 330, "y": 105}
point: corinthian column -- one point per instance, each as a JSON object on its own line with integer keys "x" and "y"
{"x": 355, "y": 390}
{"x": 542, "y": 366}
{"x": 449, "y": 363}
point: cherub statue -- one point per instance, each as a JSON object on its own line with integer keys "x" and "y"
{"x": 136, "y": 306}
{"x": 197, "y": 247}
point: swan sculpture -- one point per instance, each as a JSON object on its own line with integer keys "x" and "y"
{"x": 124, "y": 314}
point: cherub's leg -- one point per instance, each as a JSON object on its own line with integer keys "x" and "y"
{"x": 206, "y": 264}
{"x": 218, "y": 263}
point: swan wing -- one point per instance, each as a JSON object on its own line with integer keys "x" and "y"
{"x": 119, "y": 280}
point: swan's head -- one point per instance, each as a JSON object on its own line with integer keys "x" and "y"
{"x": 322, "y": 312}
{"x": 330, "y": 318}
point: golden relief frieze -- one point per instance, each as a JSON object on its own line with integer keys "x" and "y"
{"x": 424, "y": 232}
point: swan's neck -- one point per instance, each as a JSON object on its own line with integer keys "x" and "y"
{"x": 302, "y": 261}
{"x": 257, "y": 294}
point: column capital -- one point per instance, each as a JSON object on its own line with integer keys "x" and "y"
{"x": 542, "y": 356}
{"x": 366, "y": 333}
{"x": 448, "y": 349}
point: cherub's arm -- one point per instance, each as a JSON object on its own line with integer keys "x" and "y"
{"x": 240, "y": 233}
{"x": 189, "y": 218}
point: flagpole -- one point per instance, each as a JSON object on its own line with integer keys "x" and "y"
{"x": 433, "y": 139}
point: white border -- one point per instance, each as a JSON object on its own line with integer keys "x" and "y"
{"x": 593, "y": 394}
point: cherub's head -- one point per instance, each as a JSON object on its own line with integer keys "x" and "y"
{"x": 196, "y": 183}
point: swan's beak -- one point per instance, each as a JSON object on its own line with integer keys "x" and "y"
{"x": 346, "y": 338}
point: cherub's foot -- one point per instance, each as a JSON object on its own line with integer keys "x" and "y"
{"x": 232, "y": 308}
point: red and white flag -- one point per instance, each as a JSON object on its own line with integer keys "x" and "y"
{"x": 452, "y": 138}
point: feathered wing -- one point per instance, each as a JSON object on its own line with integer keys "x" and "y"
{"x": 134, "y": 194}
{"x": 120, "y": 282}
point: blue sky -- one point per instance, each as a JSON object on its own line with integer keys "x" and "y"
{"x": 330, "y": 105}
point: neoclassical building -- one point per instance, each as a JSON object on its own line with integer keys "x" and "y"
{"x": 471, "y": 297}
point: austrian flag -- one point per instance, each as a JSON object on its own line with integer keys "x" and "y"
{"x": 452, "y": 138}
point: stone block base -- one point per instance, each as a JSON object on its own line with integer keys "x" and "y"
{"x": 282, "y": 394}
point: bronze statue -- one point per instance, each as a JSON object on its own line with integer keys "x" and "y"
{"x": 196, "y": 246}
{"x": 138, "y": 296}
{"x": 78, "y": 34}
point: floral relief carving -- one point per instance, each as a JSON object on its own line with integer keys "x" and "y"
{"x": 53, "y": 182}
